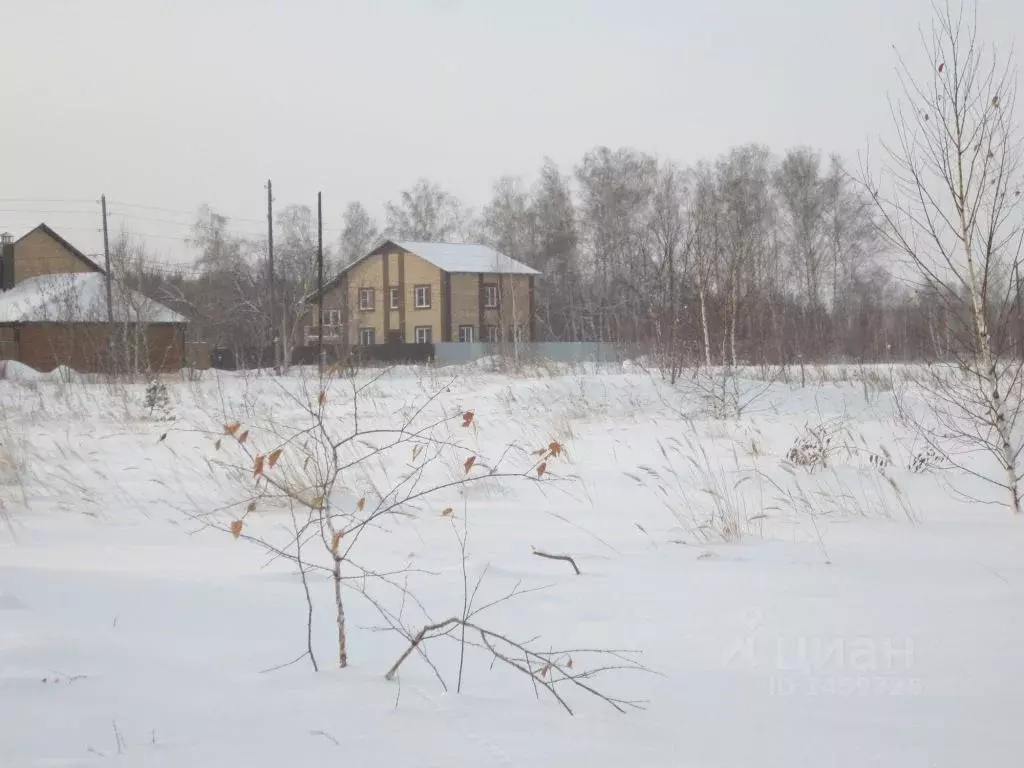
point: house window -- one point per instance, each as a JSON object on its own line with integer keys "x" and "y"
{"x": 491, "y": 296}
{"x": 466, "y": 333}
{"x": 393, "y": 295}
{"x": 491, "y": 334}
{"x": 366, "y": 337}
{"x": 424, "y": 334}
{"x": 366, "y": 299}
{"x": 422, "y": 296}
{"x": 333, "y": 316}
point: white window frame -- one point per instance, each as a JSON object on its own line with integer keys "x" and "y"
{"x": 333, "y": 316}
{"x": 467, "y": 334}
{"x": 492, "y": 334}
{"x": 394, "y": 297}
{"x": 424, "y": 334}
{"x": 367, "y": 306}
{"x": 367, "y": 332}
{"x": 421, "y": 291}
{"x": 490, "y": 295}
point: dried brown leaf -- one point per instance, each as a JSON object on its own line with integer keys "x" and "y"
{"x": 323, "y": 398}
{"x": 232, "y": 428}
{"x": 446, "y": 511}
{"x": 236, "y": 528}
{"x": 361, "y": 504}
{"x": 469, "y": 464}
{"x": 555, "y": 448}
{"x": 257, "y": 465}
{"x": 274, "y": 456}
{"x": 467, "y": 418}
{"x": 335, "y": 540}
{"x": 216, "y": 445}
{"x": 243, "y": 437}
{"x": 542, "y": 469}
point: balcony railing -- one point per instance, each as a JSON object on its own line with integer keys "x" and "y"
{"x": 332, "y": 333}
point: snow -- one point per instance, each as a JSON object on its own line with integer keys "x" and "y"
{"x": 16, "y": 371}
{"x": 466, "y": 257}
{"x": 880, "y": 630}
{"x": 13, "y": 370}
{"x": 77, "y": 298}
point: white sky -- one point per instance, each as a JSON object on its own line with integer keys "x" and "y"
{"x": 171, "y": 104}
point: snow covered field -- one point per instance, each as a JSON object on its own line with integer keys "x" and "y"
{"x": 846, "y": 616}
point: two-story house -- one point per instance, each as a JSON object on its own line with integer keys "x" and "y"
{"x": 410, "y": 292}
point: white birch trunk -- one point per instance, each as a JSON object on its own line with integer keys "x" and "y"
{"x": 704, "y": 324}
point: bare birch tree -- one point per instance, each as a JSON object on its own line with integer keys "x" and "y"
{"x": 951, "y": 204}
{"x": 668, "y": 225}
{"x": 704, "y": 224}
{"x": 559, "y": 292}
{"x": 426, "y": 212}
{"x": 358, "y": 235}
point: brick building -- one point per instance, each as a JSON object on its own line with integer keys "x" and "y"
{"x": 53, "y": 311}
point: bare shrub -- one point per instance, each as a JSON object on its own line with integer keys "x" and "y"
{"x": 344, "y": 476}
{"x": 815, "y": 445}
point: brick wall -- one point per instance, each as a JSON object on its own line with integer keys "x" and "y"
{"x": 84, "y": 347}
{"x": 39, "y": 254}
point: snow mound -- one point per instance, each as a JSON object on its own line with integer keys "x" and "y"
{"x": 12, "y": 370}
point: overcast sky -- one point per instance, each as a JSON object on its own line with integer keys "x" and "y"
{"x": 172, "y": 104}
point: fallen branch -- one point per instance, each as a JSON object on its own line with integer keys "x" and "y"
{"x": 326, "y": 735}
{"x": 546, "y": 669}
{"x": 566, "y": 558}
{"x": 420, "y": 637}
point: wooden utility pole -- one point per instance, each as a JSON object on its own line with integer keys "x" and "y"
{"x": 111, "y": 344}
{"x": 270, "y": 272}
{"x": 106, "y": 264}
{"x": 320, "y": 282}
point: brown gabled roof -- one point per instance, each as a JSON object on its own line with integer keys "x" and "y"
{"x": 46, "y": 228}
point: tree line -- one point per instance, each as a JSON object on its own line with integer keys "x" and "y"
{"x": 752, "y": 257}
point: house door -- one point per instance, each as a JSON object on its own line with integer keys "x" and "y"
{"x": 394, "y": 337}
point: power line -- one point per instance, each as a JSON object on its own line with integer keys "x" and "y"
{"x": 44, "y": 200}
{"x": 194, "y": 213}
{"x": 181, "y": 212}
{"x": 198, "y": 224}
{"x": 129, "y": 216}
{"x": 35, "y": 211}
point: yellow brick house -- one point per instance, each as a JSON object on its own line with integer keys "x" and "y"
{"x": 413, "y": 292}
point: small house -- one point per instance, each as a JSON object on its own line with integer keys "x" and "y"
{"x": 54, "y": 311}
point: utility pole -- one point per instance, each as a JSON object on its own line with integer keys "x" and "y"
{"x": 320, "y": 282}
{"x": 106, "y": 263}
{"x": 111, "y": 349}
{"x": 270, "y": 271}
